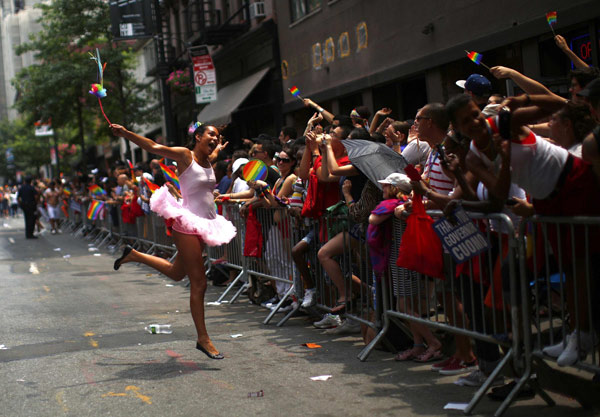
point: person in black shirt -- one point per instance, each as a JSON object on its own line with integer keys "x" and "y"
{"x": 27, "y": 198}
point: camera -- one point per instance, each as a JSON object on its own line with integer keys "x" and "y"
{"x": 504, "y": 117}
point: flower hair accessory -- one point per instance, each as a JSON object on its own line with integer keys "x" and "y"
{"x": 193, "y": 127}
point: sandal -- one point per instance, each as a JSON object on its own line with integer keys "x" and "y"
{"x": 430, "y": 355}
{"x": 409, "y": 354}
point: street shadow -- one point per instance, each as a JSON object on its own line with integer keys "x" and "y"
{"x": 155, "y": 370}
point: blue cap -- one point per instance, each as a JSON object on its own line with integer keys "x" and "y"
{"x": 476, "y": 84}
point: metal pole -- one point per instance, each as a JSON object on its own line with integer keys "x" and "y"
{"x": 57, "y": 173}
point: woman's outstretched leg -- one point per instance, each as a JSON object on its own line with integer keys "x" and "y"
{"x": 190, "y": 252}
{"x": 175, "y": 270}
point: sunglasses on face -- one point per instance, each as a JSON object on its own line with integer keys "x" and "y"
{"x": 284, "y": 160}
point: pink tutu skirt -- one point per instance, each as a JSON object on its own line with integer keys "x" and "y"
{"x": 214, "y": 232}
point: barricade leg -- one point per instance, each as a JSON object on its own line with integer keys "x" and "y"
{"x": 289, "y": 292}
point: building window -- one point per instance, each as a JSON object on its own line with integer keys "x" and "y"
{"x": 317, "y": 58}
{"x": 329, "y": 51}
{"x": 362, "y": 36}
{"x": 344, "y": 45}
{"x": 300, "y": 8}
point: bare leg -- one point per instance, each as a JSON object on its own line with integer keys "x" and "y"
{"x": 175, "y": 271}
{"x": 190, "y": 250}
{"x": 298, "y": 255}
{"x": 326, "y": 254}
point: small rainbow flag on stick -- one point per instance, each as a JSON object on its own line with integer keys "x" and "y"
{"x": 151, "y": 186}
{"x": 295, "y": 92}
{"x": 95, "y": 209}
{"x": 551, "y": 17}
{"x": 170, "y": 175}
{"x": 132, "y": 171}
{"x": 96, "y": 190}
{"x": 476, "y": 57}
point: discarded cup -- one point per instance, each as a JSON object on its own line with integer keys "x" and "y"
{"x": 260, "y": 393}
{"x": 159, "y": 328}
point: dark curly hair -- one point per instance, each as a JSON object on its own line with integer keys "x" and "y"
{"x": 580, "y": 117}
{"x": 199, "y": 131}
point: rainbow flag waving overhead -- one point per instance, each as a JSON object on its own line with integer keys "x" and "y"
{"x": 170, "y": 175}
{"x": 551, "y": 17}
{"x": 295, "y": 92}
{"x": 475, "y": 57}
{"x": 95, "y": 209}
{"x": 96, "y": 190}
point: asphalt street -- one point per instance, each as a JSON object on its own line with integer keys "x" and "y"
{"x": 72, "y": 343}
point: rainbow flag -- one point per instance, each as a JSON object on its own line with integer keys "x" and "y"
{"x": 96, "y": 190}
{"x": 170, "y": 175}
{"x": 475, "y": 57}
{"x": 151, "y": 186}
{"x": 295, "y": 92}
{"x": 551, "y": 18}
{"x": 95, "y": 209}
{"x": 132, "y": 172}
{"x": 67, "y": 192}
{"x": 254, "y": 170}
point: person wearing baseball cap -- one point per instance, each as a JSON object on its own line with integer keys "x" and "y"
{"x": 478, "y": 87}
{"x": 399, "y": 181}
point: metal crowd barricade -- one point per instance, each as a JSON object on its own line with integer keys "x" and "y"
{"x": 231, "y": 255}
{"x": 479, "y": 300}
{"x": 559, "y": 268}
{"x": 275, "y": 263}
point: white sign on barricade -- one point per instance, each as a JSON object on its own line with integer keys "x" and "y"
{"x": 463, "y": 240}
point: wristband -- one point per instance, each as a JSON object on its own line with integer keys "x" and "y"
{"x": 320, "y": 109}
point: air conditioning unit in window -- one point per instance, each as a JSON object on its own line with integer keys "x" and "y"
{"x": 257, "y": 9}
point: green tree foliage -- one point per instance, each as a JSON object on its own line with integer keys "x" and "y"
{"x": 30, "y": 152}
{"x": 56, "y": 87}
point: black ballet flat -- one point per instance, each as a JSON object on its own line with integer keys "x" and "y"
{"x": 126, "y": 251}
{"x": 210, "y": 355}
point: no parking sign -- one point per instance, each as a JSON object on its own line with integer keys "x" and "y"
{"x": 205, "y": 77}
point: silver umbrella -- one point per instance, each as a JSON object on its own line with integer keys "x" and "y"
{"x": 374, "y": 159}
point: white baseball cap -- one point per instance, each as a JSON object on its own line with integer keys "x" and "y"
{"x": 398, "y": 180}
{"x": 238, "y": 163}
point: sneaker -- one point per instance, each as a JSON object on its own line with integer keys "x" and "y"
{"x": 286, "y": 307}
{"x": 436, "y": 367}
{"x": 573, "y": 352}
{"x": 328, "y": 321}
{"x": 457, "y": 367}
{"x": 477, "y": 378}
{"x": 270, "y": 303}
{"x": 554, "y": 351}
{"x": 347, "y": 327}
{"x": 310, "y": 298}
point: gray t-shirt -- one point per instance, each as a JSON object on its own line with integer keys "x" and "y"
{"x": 416, "y": 152}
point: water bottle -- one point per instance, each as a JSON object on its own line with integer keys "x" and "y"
{"x": 159, "y": 328}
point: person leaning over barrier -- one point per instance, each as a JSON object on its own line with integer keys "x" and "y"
{"x": 559, "y": 184}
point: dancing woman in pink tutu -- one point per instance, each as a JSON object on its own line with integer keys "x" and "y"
{"x": 194, "y": 221}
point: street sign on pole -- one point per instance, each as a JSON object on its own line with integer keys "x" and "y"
{"x": 205, "y": 76}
